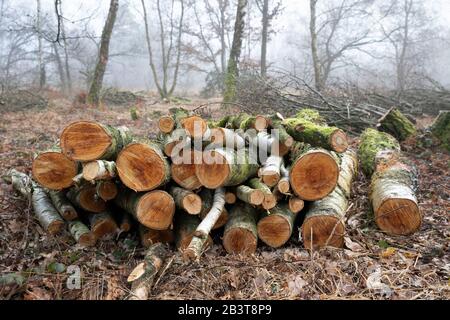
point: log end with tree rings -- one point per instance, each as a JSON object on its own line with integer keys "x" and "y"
{"x": 314, "y": 175}
{"x": 192, "y": 203}
{"x": 141, "y": 167}
{"x": 155, "y": 210}
{"x": 398, "y": 216}
{"x": 274, "y": 230}
{"x": 54, "y": 170}
{"x": 166, "y": 124}
{"x": 106, "y": 190}
{"x": 240, "y": 241}
{"x": 195, "y": 126}
{"x": 214, "y": 171}
{"x": 183, "y": 172}
{"x": 85, "y": 141}
{"x": 89, "y": 200}
{"x": 339, "y": 141}
{"x": 320, "y": 231}
{"x": 261, "y": 123}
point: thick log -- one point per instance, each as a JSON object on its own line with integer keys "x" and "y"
{"x": 441, "y": 128}
{"x": 225, "y": 167}
{"x": 270, "y": 200}
{"x": 62, "y": 204}
{"x": 99, "y": 170}
{"x": 144, "y": 273}
{"x": 324, "y": 221}
{"x": 53, "y": 170}
{"x": 240, "y": 235}
{"x": 184, "y": 230}
{"x": 154, "y": 209}
{"x": 250, "y": 195}
{"x": 396, "y": 124}
{"x": 81, "y": 233}
{"x": 183, "y": 172}
{"x": 270, "y": 172}
{"x": 207, "y": 196}
{"x": 302, "y": 129}
{"x": 106, "y": 189}
{"x": 149, "y": 236}
{"x": 86, "y": 198}
{"x": 186, "y": 200}
{"x": 103, "y": 225}
{"x": 314, "y": 172}
{"x": 142, "y": 166}
{"x": 276, "y": 227}
{"x": 88, "y": 141}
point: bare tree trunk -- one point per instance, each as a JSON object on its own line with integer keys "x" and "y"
{"x": 314, "y": 52}
{"x": 401, "y": 67}
{"x": 40, "y": 54}
{"x": 264, "y": 34}
{"x": 60, "y": 67}
{"x": 223, "y": 45}
{"x": 66, "y": 56}
{"x": 97, "y": 82}
{"x": 235, "y": 52}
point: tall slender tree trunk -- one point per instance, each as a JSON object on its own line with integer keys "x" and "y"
{"x": 401, "y": 73}
{"x": 264, "y": 34}
{"x": 314, "y": 52}
{"x": 60, "y": 67}
{"x": 40, "y": 54}
{"x": 235, "y": 53}
{"x": 66, "y": 56}
{"x": 97, "y": 82}
{"x": 223, "y": 44}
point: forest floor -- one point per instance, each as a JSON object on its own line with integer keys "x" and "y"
{"x": 371, "y": 266}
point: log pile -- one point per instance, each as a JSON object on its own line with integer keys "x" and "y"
{"x": 247, "y": 177}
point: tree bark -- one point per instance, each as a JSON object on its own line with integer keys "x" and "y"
{"x": 241, "y": 235}
{"x": 270, "y": 200}
{"x": 186, "y": 200}
{"x": 81, "y": 233}
{"x": 314, "y": 50}
{"x": 441, "y": 128}
{"x": 250, "y": 195}
{"x": 207, "y": 196}
{"x": 62, "y": 204}
{"x": 396, "y": 124}
{"x": 185, "y": 226}
{"x": 99, "y": 170}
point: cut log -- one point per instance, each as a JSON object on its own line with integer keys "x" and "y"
{"x": 311, "y": 115}
{"x": 142, "y": 166}
{"x": 250, "y": 195}
{"x": 183, "y": 172}
{"x": 154, "y": 209}
{"x": 201, "y": 234}
{"x": 396, "y": 124}
{"x": 81, "y": 233}
{"x": 314, "y": 172}
{"x": 276, "y": 227}
{"x": 270, "y": 172}
{"x": 106, "y": 189}
{"x": 149, "y": 236}
{"x": 99, "y": 170}
{"x": 230, "y": 197}
{"x": 144, "y": 273}
{"x": 240, "y": 235}
{"x": 103, "y": 225}
{"x": 225, "y": 167}
{"x": 324, "y": 221}
{"x": 284, "y": 186}
{"x": 318, "y": 135}
{"x": 53, "y": 170}
{"x": 264, "y": 144}
{"x": 88, "y": 141}
{"x": 86, "y": 198}
{"x": 269, "y": 200}
{"x": 168, "y": 123}
{"x": 186, "y": 200}
{"x": 296, "y": 204}
{"x": 123, "y": 219}
{"x": 62, "y": 204}
{"x": 279, "y": 131}
{"x": 185, "y": 226}
{"x": 223, "y": 137}
{"x": 441, "y": 129}
{"x": 244, "y": 121}
{"x": 207, "y": 197}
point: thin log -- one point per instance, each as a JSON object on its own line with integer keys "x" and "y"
{"x": 63, "y": 205}
{"x": 250, "y": 195}
{"x": 149, "y": 236}
{"x": 185, "y": 226}
{"x": 270, "y": 200}
{"x": 99, "y": 170}
{"x": 207, "y": 197}
{"x": 106, "y": 189}
{"x": 81, "y": 233}
{"x": 270, "y": 172}
{"x": 396, "y": 124}
{"x": 186, "y": 200}
{"x": 103, "y": 225}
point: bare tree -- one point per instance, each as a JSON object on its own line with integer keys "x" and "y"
{"x": 41, "y": 64}
{"x": 235, "y": 53}
{"x": 103, "y": 55}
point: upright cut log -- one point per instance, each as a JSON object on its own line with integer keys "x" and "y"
{"x": 270, "y": 200}
{"x": 184, "y": 230}
{"x": 149, "y": 236}
{"x": 86, "y": 198}
{"x": 62, "y": 204}
{"x": 154, "y": 209}
{"x": 207, "y": 196}
{"x": 324, "y": 221}
{"x": 142, "y": 166}
{"x": 302, "y": 129}
{"x": 103, "y": 225}
{"x": 396, "y": 124}
{"x": 183, "y": 172}
{"x": 53, "y": 170}
{"x": 99, "y": 170}
{"x": 240, "y": 235}
{"x": 270, "y": 172}
{"x": 250, "y": 195}
{"x": 88, "y": 141}
{"x": 186, "y": 200}
{"x": 314, "y": 172}
{"x": 143, "y": 274}
{"x": 441, "y": 128}
{"x": 394, "y": 180}
{"x": 81, "y": 233}
{"x": 106, "y": 189}
{"x": 225, "y": 167}
{"x": 276, "y": 227}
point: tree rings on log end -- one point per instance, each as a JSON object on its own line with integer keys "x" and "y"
{"x": 87, "y": 239}
{"x": 261, "y": 123}
{"x": 89, "y": 200}
{"x": 55, "y": 227}
{"x": 155, "y": 210}
{"x": 339, "y": 141}
{"x": 398, "y": 216}
{"x": 54, "y": 170}
{"x": 166, "y": 124}
{"x": 274, "y": 230}
{"x": 239, "y": 241}
{"x": 214, "y": 171}
{"x": 192, "y": 203}
{"x": 195, "y": 126}
{"x": 323, "y": 230}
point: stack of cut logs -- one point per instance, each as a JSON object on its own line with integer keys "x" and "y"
{"x": 100, "y": 180}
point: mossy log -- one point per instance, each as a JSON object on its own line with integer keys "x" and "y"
{"x": 149, "y": 236}
{"x": 81, "y": 233}
{"x": 313, "y": 173}
{"x": 441, "y": 129}
{"x": 244, "y": 121}
{"x": 225, "y": 167}
{"x": 183, "y": 172}
{"x": 184, "y": 230}
{"x": 63, "y": 205}
{"x": 312, "y": 116}
{"x": 324, "y": 221}
{"x": 279, "y": 131}
{"x": 276, "y": 226}
{"x": 396, "y": 124}
{"x": 269, "y": 200}
{"x": 144, "y": 273}
{"x": 142, "y": 166}
{"x": 241, "y": 235}
{"x": 223, "y": 137}
{"x": 186, "y": 200}
{"x": 99, "y": 170}
{"x": 86, "y": 198}
{"x": 54, "y": 170}
{"x": 270, "y": 171}
{"x": 318, "y": 135}
{"x": 207, "y": 197}
{"x": 250, "y": 195}
{"x": 43, "y": 208}
{"x": 154, "y": 209}
{"x": 88, "y": 141}
{"x": 103, "y": 225}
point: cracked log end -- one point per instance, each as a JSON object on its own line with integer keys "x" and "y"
{"x": 54, "y": 170}
{"x": 155, "y": 210}
{"x": 323, "y": 229}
